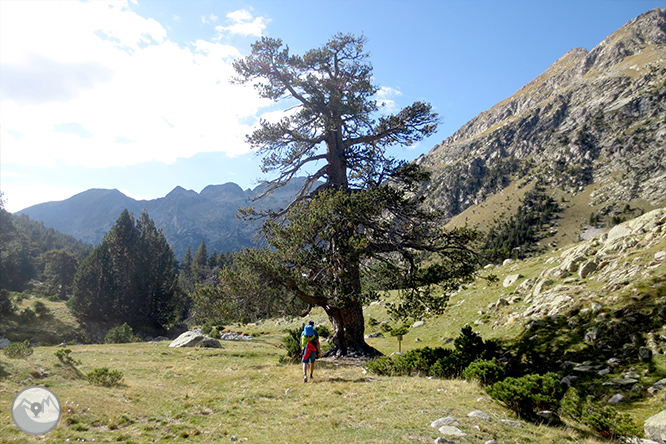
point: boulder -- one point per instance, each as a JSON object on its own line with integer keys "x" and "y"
{"x": 660, "y": 256}
{"x": 210, "y": 343}
{"x": 4, "y": 342}
{"x": 195, "y": 338}
{"x": 446, "y": 421}
{"x": 374, "y": 335}
{"x": 480, "y": 415}
{"x": 451, "y": 431}
{"x": 587, "y": 268}
{"x": 418, "y": 324}
{"x": 511, "y": 279}
{"x": 616, "y": 398}
{"x": 655, "y": 427}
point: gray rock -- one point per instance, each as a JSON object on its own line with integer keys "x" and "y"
{"x": 655, "y": 427}
{"x": 660, "y": 256}
{"x": 644, "y": 353}
{"x": 592, "y": 335}
{"x": 448, "y": 420}
{"x": 491, "y": 441}
{"x": 621, "y": 382}
{"x": 374, "y": 335}
{"x": 195, "y": 338}
{"x": 511, "y": 280}
{"x": 188, "y": 339}
{"x": 441, "y": 440}
{"x": 659, "y": 385}
{"x": 547, "y": 415}
{"x": 210, "y": 343}
{"x": 480, "y": 415}
{"x": 418, "y": 324}
{"x": 613, "y": 362}
{"x": 587, "y": 268}
{"x": 512, "y": 423}
{"x": 4, "y": 342}
{"x": 616, "y": 398}
{"x": 451, "y": 431}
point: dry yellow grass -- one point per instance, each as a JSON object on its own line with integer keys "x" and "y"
{"x": 210, "y": 395}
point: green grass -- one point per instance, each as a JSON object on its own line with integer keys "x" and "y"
{"x": 210, "y": 395}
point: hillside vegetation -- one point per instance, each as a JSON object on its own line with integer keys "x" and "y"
{"x": 573, "y": 325}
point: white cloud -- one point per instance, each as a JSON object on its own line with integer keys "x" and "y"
{"x": 211, "y": 18}
{"x": 242, "y": 23}
{"x": 101, "y": 67}
{"x": 385, "y": 97}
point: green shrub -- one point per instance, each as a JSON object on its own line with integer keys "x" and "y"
{"x": 324, "y": 332}
{"x": 104, "y": 377}
{"x": 487, "y": 372}
{"x": 382, "y": 366}
{"x": 529, "y": 394}
{"x": 41, "y": 309}
{"x": 292, "y": 343}
{"x": 386, "y": 328}
{"x": 121, "y": 334}
{"x": 215, "y": 333}
{"x": 6, "y": 306}
{"x": 28, "y": 315}
{"x": 439, "y": 362}
{"x": 18, "y": 350}
{"x": 603, "y": 419}
{"x": 63, "y": 355}
{"x": 207, "y": 327}
{"x": 372, "y": 322}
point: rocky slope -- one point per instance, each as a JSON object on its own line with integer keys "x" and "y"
{"x": 594, "y": 121}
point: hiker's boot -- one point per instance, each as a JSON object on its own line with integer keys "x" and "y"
{"x": 305, "y": 378}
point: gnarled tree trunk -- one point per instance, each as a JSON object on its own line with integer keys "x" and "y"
{"x": 349, "y": 339}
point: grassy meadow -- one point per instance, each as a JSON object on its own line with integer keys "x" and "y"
{"x": 212, "y": 395}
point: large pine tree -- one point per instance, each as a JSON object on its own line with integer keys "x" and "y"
{"x": 364, "y": 223}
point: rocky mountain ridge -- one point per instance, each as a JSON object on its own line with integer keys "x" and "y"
{"x": 594, "y": 118}
{"x": 186, "y": 217}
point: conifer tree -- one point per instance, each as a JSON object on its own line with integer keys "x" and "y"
{"x": 365, "y": 220}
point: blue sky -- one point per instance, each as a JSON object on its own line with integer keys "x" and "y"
{"x": 134, "y": 95}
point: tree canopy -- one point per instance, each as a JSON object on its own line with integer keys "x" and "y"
{"x": 357, "y": 223}
{"x": 130, "y": 277}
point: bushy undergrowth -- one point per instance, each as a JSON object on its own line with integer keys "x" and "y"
{"x": 439, "y": 362}
{"x": 529, "y": 394}
{"x": 18, "y": 350}
{"x": 485, "y": 371}
{"x": 603, "y": 419}
{"x": 104, "y": 377}
{"x": 121, "y": 334}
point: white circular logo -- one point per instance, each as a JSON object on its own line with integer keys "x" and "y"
{"x": 36, "y": 410}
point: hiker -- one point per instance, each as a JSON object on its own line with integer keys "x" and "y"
{"x": 311, "y": 349}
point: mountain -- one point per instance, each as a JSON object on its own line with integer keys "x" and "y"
{"x": 591, "y": 129}
{"x": 186, "y": 217}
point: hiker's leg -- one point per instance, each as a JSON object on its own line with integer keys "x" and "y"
{"x": 311, "y": 368}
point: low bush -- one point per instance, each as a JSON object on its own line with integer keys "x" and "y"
{"x": 104, "y": 377}
{"x": 121, "y": 334}
{"x": 486, "y": 372}
{"x": 64, "y": 356}
{"x": 18, "y": 350}
{"x": 292, "y": 343}
{"x": 41, "y": 309}
{"x": 603, "y": 419}
{"x": 529, "y": 394}
{"x": 438, "y": 362}
{"x": 6, "y": 306}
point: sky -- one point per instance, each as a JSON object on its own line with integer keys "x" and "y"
{"x": 135, "y": 95}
